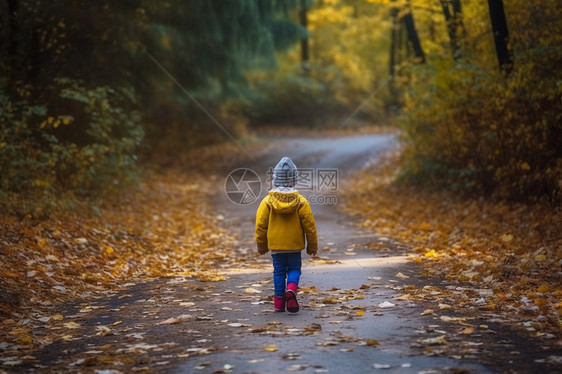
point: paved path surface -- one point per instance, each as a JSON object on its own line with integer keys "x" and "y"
{"x": 349, "y": 321}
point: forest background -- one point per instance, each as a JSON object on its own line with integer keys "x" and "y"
{"x": 89, "y": 90}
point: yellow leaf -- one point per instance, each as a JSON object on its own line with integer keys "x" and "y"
{"x": 271, "y": 348}
{"x": 507, "y": 238}
{"x": 10, "y": 274}
{"x": 431, "y": 253}
{"x": 57, "y": 317}
{"x": 71, "y": 325}
{"x": 251, "y": 290}
{"x": 426, "y": 312}
{"x": 540, "y": 257}
{"x": 372, "y": 342}
{"x": 108, "y": 252}
{"x": 543, "y": 288}
{"x": 402, "y": 276}
{"x": 330, "y": 300}
{"x": 467, "y": 331}
{"x": 425, "y": 226}
{"x": 24, "y": 339}
{"x": 440, "y": 340}
{"x": 360, "y": 313}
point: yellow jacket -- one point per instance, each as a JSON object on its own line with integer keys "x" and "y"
{"x": 283, "y": 220}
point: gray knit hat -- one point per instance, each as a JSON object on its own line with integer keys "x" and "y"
{"x": 285, "y": 173}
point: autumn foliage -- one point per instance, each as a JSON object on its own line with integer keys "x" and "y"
{"x": 162, "y": 228}
{"x": 511, "y": 253}
{"x": 470, "y": 126}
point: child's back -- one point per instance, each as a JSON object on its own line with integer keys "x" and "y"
{"x": 283, "y": 221}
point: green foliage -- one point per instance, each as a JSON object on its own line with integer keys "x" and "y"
{"x": 348, "y": 47}
{"x": 468, "y": 127}
{"x": 37, "y": 155}
{"x": 74, "y": 83}
{"x": 293, "y": 99}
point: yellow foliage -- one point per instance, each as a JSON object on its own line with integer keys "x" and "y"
{"x": 466, "y": 241}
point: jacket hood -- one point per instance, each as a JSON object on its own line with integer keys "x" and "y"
{"x": 284, "y": 202}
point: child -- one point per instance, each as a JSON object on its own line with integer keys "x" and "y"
{"x": 283, "y": 220}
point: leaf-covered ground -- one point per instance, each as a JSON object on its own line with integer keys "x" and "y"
{"x": 163, "y": 227}
{"x": 501, "y": 260}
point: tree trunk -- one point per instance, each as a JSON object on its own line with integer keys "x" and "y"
{"x": 451, "y": 28}
{"x": 303, "y": 15}
{"x": 13, "y": 7}
{"x": 501, "y": 35}
{"x": 414, "y": 38}
{"x": 393, "y": 41}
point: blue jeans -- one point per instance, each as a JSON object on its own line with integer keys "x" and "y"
{"x": 286, "y": 269}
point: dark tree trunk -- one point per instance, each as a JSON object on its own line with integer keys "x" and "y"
{"x": 413, "y": 37}
{"x": 501, "y": 35}
{"x": 451, "y": 27}
{"x": 394, "y": 34}
{"x": 305, "y": 57}
{"x": 13, "y": 7}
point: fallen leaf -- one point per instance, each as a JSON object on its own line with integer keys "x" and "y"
{"x": 506, "y": 238}
{"x": 440, "y": 340}
{"x": 386, "y": 304}
{"x": 382, "y": 366}
{"x": 331, "y": 300}
{"x": 543, "y": 288}
{"x": 271, "y": 348}
{"x": 175, "y": 320}
{"x": 71, "y": 325}
{"x": 291, "y": 356}
{"x": 237, "y": 324}
{"x": 431, "y": 253}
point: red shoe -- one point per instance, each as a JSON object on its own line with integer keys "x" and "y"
{"x": 279, "y": 303}
{"x": 291, "y": 297}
